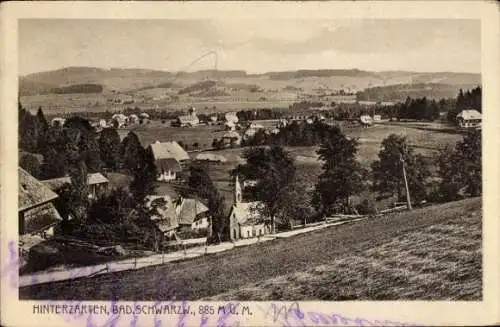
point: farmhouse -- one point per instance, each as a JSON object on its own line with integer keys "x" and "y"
{"x": 118, "y": 120}
{"x": 162, "y": 214}
{"x": 98, "y": 184}
{"x": 37, "y": 214}
{"x": 57, "y": 122}
{"x": 366, "y": 120}
{"x": 188, "y": 120}
{"x": 170, "y": 216}
{"x": 231, "y": 117}
{"x": 169, "y": 158}
{"x": 244, "y": 218}
{"x": 377, "y": 118}
{"x": 133, "y": 119}
{"x": 192, "y": 214}
{"x": 469, "y": 118}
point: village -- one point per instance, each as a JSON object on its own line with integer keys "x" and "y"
{"x": 166, "y": 196}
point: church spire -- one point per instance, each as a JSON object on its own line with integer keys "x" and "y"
{"x": 237, "y": 190}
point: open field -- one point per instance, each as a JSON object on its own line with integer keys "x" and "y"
{"x": 432, "y": 253}
{"x": 442, "y": 261}
{"x": 230, "y": 91}
{"x": 203, "y": 135}
{"x": 308, "y": 166}
{"x": 426, "y": 138}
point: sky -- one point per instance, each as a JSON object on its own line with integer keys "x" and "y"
{"x": 256, "y": 45}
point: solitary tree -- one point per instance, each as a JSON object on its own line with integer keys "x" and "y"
{"x": 130, "y": 151}
{"x": 144, "y": 182}
{"x": 79, "y": 189}
{"x": 109, "y": 146}
{"x": 42, "y": 121}
{"x": 28, "y": 130}
{"x": 342, "y": 174}
{"x": 31, "y": 163}
{"x": 200, "y": 182}
{"x": 273, "y": 170}
{"x": 388, "y": 176}
{"x": 460, "y": 168}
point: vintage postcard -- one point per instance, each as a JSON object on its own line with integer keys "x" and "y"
{"x": 250, "y": 163}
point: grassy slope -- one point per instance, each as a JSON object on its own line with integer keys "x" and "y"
{"x": 432, "y": 253}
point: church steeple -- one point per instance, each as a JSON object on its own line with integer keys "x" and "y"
{"x": 237, "y": 191}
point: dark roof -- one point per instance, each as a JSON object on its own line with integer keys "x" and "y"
{"x": 189, "y": 210}
{"x": 32, "y": 192}
{"x": 40, "y": 218}
{"x": 168, "y": 164}
{"x": 92, "y": 179}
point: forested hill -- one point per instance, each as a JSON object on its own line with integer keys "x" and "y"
{"x": 135, "y": 79}
{"x": 400, "y": 92}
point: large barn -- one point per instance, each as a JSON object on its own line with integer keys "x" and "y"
{"x": 169, "y": 157}
{"x": 37, "y": 214}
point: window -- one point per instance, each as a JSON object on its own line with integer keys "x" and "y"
{"x": 248, "y": 233}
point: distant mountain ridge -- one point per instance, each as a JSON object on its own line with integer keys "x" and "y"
{"x": 131, "y": 79}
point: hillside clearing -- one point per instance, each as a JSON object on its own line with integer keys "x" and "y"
{"x": 408, "y": 255}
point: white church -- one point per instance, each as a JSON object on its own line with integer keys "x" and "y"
{"x": 245, "y": 220}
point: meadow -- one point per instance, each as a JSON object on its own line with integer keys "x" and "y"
{"x": 308, "y": 165}
{"x": 431, "y": 253}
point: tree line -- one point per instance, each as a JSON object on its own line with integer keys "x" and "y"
{"x": 75, "y": 150}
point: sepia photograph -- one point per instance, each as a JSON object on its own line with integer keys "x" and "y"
{"x": 165, "y": 163}
{"x": 252, "y": 160}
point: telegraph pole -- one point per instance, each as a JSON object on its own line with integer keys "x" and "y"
{"x": 408, "y": 199}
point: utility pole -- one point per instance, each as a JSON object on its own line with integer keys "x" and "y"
{"x": 408, "y": 199}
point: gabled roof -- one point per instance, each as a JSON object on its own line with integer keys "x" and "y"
{"x": 188, "y": 209}
{"x": 32, "y": 192}
{"x": 40, "y": 218}
{"x": 469, "y": 114}
{"x": 247, "y": 213}
{"x": 231, "y": 116}
{"x": 92, "y": 179}
{"x": 168, "y": 214}
{"x": 163, "y": 150}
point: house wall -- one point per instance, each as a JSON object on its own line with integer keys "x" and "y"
{"x": 97, "y": 190}
{"x": 167, "y": 175}
{"x": 202, "y": 223}
{"x": 246, "y": 231}
{"x": 469, "y": 123}
{"x": 234, "y": 230}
